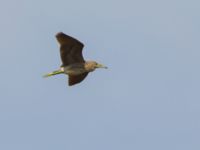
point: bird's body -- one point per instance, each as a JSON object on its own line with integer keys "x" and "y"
{"x": 74, "y": 69}
{"x": 73, "y": 63}
{"x": 78, "y": 68}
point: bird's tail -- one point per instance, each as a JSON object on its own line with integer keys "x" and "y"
{"x": 53, "y": 73}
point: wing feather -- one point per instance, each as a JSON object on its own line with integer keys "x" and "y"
{"x": 76, "y": 78}
{"x": 70, "y": 49}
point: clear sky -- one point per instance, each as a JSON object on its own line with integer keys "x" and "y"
{"x": 148, "y": 99}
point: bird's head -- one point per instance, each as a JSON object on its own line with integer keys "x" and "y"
{"x": 92, "y": 65}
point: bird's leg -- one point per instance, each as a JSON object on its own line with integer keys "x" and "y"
{"x": 54, "y": 73}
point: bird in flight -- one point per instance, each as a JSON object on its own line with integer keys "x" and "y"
{"x": 73, "y": 63}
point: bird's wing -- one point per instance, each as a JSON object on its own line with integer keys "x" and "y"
{"x": 76, "y": 79}
{"x": 70, "y": 49}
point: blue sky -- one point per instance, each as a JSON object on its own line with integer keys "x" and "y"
{"x": 147, "y": 99}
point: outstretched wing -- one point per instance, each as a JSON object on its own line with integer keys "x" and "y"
{"x": 76, "y": 78}
{"x": 70, "y": 49}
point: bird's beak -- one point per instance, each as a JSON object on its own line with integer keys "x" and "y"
{"x": 101, "y": 66}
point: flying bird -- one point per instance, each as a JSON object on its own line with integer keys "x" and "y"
{"x": 73, "y": 63}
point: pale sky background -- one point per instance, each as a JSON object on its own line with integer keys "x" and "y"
{"x": 148, "y": 99}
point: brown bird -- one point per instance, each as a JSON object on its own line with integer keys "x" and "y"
{"x": 73, "y": 63}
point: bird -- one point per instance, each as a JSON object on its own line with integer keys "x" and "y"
{"x": 73, "y": 63}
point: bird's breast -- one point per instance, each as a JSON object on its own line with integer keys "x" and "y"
{"x": 74, "y": 70}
